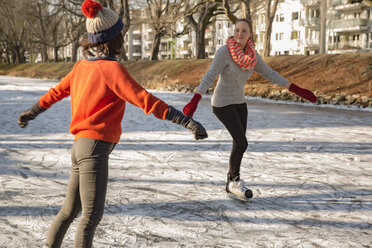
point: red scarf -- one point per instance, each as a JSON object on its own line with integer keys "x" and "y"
{"x": 245, "y": 59}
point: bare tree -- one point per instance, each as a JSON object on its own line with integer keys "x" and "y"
{"x": 245, "y": 6}
{"x": 121, "y": 7}
{"x": 269, "y": 18}
{"x": 200, "y": 17}
{"x": 248, "y": 9}
{"x": 323, "y": 23}
{"x": 163, "y": 16}
{"x": 125, "y": 15}
{"x": 15, "y": 33}
{"x": 74, "y": 23}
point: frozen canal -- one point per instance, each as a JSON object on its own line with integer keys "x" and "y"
{"x": 310, "y": 169}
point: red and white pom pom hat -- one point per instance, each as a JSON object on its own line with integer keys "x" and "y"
{"x": 102, "y": 24}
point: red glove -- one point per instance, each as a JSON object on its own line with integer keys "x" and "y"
{"x": 190, "y": 108}
{"x": 304, "y": 93}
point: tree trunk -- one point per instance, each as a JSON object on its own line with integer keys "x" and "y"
{"x": 267, "y": 42}
{"x": 200, "y": 44}
{"x": 17, "y": 55}
{"x": 7, "y": 57}
{"x": 205, "y": 14}
{"x": 269, "y": 18}
{"x": 323, "y": 23}
{"x": 123, "y": 55}
{"x": 125, "y": 14}
{"x": 246, "y": 11}
{"x": 75, "y": 50}
{"x": 155, "y": 47}
{"x": 44, "y": 53}
{"x": 55, "y": 50}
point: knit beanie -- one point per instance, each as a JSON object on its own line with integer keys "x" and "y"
{"x": 102, "y": 24}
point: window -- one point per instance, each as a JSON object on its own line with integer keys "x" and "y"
{"x": 356, "y": 37}
{"x": 279, "y": 36}
{"x": 228, "y": 24}
{"x": 336, "y": 39}
{"x": 295, "y": 35}
{"x": 262, "y": 19}
{"x": 294, "y": 16}
{"x": 315, "y": 13}
{"x": 220, "y": 26}
{"x": 261, "y": 36}
{"x": 279, "y": 18}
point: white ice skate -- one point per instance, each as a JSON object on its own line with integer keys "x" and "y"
{"x": 238, "y": 190}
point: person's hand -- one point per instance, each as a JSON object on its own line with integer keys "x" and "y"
{"x": 29, "y": 114}
{"x": 177, "y": 117}
{"x": 304, "y": 93}
{"x": 190, "y": 108}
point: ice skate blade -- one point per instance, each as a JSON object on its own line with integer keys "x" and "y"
{"x": 234, "y": 197}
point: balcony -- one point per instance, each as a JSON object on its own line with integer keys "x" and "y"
{"x": 137, "y": 42}
{"x": 310, "y": 22}
{"x": 344, "y": 46}
{"x": 210, "y": 49}
{"x": 310, "y": 3}
{"x": 348, "y": 25}
{"x": 208, "y": 35}
{"x": 137, "y": 54}
{"x": 346, "y": 5}
{"x": 312, "y": 43}
{"x": 137, "y": 31}
{"x": 185, "y": 51}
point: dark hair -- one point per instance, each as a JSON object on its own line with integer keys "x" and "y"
{"x": 111, "y": 47}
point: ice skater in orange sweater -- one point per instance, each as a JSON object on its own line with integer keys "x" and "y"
{"x": 99, "y": 87}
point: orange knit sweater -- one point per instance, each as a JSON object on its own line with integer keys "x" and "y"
{"x": 99, "y": 90}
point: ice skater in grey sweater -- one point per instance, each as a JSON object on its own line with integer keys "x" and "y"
{"x": 234, "y": 63}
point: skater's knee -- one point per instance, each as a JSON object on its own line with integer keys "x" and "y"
{"x": 241, "y": 146}
{"x": 92, "y": 218}
{"x": 68, "y": 214}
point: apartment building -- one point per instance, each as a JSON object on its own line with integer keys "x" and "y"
{"x": 296, "y": 27}
{"x": 349, "y": 26}
{"x": 295, "y": 30}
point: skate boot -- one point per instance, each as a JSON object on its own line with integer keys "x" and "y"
{"x": 236, "y": 189}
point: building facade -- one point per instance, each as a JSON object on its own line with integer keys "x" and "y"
{"x": 296, "y": 30}
{"x": 297, "y": 25}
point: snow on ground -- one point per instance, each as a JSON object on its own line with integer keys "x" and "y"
{"x": 309, "y": 168}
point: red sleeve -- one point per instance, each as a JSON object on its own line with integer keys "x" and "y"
{"x": 57, "y": 93}
{"x": 121, "y": 82}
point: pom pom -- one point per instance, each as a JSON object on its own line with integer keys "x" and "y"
{"x": 90, "y": 8}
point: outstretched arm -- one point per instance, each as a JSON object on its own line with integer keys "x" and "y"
{"x": 54, "y": 95}
{"x": 126, "y": 87}
{"x": 218, "y": 64}
{"x": 269, "y": 74}
{"x": 304, "y": 93}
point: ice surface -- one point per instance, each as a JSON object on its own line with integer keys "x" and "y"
{"x": 310, "y": 169}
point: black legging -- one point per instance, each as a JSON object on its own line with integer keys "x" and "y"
{"x": 234, "y": 117}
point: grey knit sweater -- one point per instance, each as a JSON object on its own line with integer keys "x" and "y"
{"x": 230, "y": 85}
